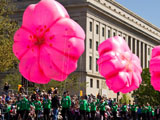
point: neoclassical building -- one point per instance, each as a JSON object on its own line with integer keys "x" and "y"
{"x": 100, "y": 20}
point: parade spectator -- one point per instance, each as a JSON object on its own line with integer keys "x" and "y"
{"x": 47, "y": 107}
{"x": 6, "y": 87}
{"x": 55, "y": 104}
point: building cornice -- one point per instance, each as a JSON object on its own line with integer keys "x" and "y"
{"x": 94, "y": 7}
{"x": 133, "y": 14}
{"x": 129, "y": 15}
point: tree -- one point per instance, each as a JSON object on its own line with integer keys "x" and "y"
{"x": 7, "y": 30}
{"x": 125, "y": 99}
{"x": 146, "y": 92}
{"x": 70, "y": 84}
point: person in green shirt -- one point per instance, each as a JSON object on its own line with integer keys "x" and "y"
{"x": 47, "y": 107}
{"x": 88, "y": 111}
{"x": 93, "y": 105}
{"x": 83, "y": 107}
{"x": 102, "y": 108}
{"x": 124, "y": 111}
{"x": 18, "y": 106}
{"x": 66, "y": 104}
{"x": 114, "y": 110}
{"x": 28, "y": 108}
{"x": 7, "y": 111}
{"x": 23, "y": 107}
{"x": 38, "y": 107}
{"x": 134, "y": 110}
{"x": 144, "y": 112}
{"x": 149, "y": 111}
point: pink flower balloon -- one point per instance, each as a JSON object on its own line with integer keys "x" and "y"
{"x": 49, "y": 43}
{"x": 155, "y": 68}
{"x": 118, "y": 65}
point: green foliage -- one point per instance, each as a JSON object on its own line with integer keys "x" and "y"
{"x": 125, "y": 99}
{"x": 146, "y": 92}
{"x": 14, "y": 79}
{"x": 7, "y": 30}
{"x": 71, "y": 84}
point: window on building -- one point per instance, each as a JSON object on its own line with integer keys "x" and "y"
{"x": 124, "y": 38}
{"x": 90, "y": 62}
{"x": 97, "y": 30}
{"x": 90, "y": 43}
{"x": 103, "y": 31}
{"x": 91, "y": 83}
{"x": 96, "y": 46}
{"x": 97, "y": 83}
{"x": 129, "y": 41}
{"x": 133, "y": 45}
{"x": 96, "y": 64}
{"x": 109, "y": 33}
{"x": 90, "y": 26}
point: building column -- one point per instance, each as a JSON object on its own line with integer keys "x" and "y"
{"x": 144, "y": 59}
{"x": 131, "y": 47}
{"x": 140, "y": 50}
{"x": 135, "y": 47}
{"x": 126, "y": 36}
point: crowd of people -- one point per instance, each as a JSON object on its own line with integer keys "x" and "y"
{"x": 50, "y": 105}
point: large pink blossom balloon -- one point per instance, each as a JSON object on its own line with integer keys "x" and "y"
{"x": 49, "y": 43}
{"x": 118, "y": 65}
{"x": 155, "y": 68}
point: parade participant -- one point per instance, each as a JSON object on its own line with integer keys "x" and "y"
{"x": 133, "y": 110}
{"x": 83, "y": 107}
{"x": 88, "y": 112}
{"x": 124, "y": 111}
{"x": 7, "y": 112}
{"x": 144, "y": 112}
{"x": 47, "y": 107}
{"x": 93, "y": 109}
{"x": 28, "y": 108}
{"x": 66, "y": 104}
{"x": 18, "y": 106}
{"x": 38, "y": 107}
{"x": 114, "y": 110}
{"x": 102, "y": 108}
{"x": 23, "y": 106}
{"x": 149, "y": 111}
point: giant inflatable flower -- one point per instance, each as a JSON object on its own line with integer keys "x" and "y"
{"x": 49, "y": 43}
{"x": 155, "y": 68}
{"x": 118, "y": 65}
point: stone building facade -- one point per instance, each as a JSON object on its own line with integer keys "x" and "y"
{"x": 102, "y": 19}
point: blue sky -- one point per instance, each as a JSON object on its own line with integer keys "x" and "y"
{"x": 147, "y": 9}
